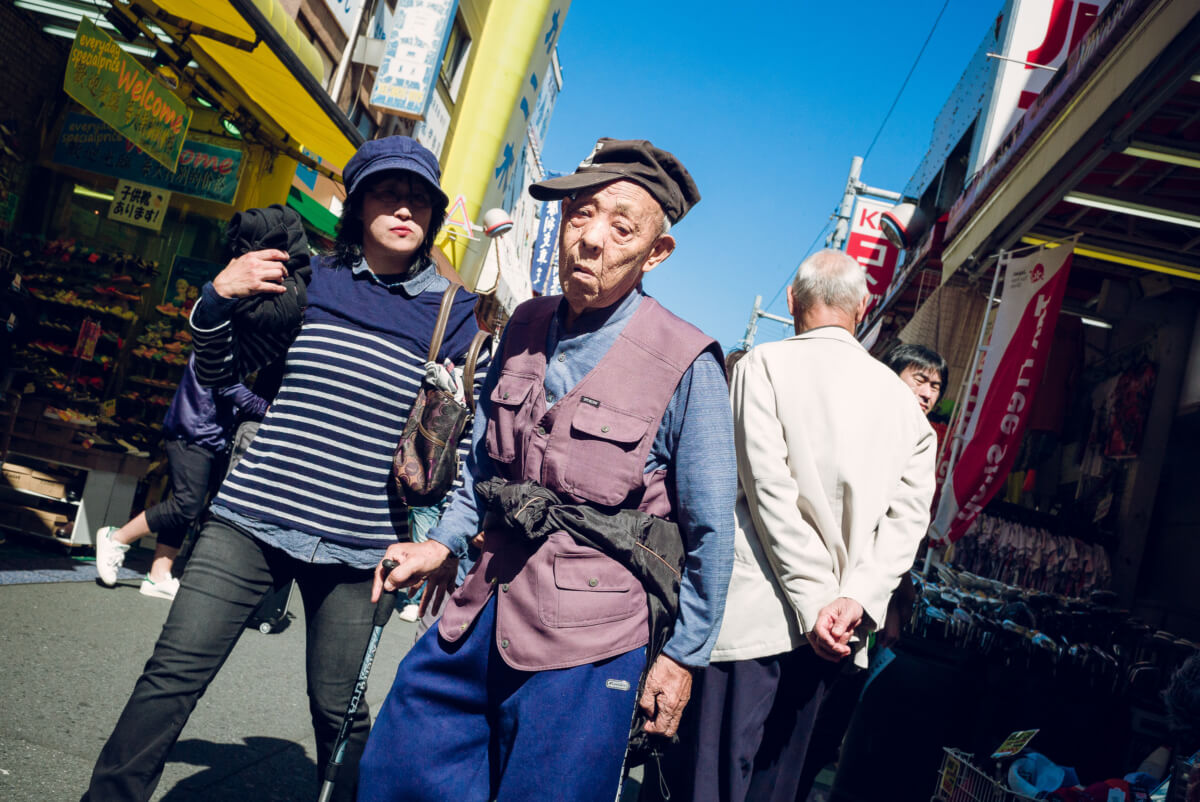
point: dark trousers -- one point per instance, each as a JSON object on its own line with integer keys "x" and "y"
{"x": 830, "y": 728}
{"x": 459, "y": 723}
{"x": 745, "y": 733}
{"x": 228, "y": 574}
{"x": 195, "y": 472}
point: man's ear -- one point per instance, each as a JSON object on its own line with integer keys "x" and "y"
{"x": 663, "y": 247}
{"x": 791, "y": 299}
{"x": 861, "y": 311}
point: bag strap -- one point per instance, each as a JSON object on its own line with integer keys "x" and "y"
{"x": 469, "y": 368}
{"x": 439, "y": 329}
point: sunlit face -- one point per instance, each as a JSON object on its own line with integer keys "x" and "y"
{"x": 611, "y": 236}
{"x": 396, "y": 211}
{"x": 926, "y": 386}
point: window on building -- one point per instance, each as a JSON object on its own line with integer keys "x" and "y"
{"x": 454, "y": 62}
{"x": 361, "y": 117}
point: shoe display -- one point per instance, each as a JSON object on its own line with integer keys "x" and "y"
{"x": 410, "y": 612}
{"x": 164, "y": 589}
{"x": 110, "y": 555}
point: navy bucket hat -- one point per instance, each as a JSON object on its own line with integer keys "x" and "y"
{"x": 389, "y": 154}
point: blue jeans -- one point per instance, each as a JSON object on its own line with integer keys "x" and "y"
{"x": 228, "y": 574}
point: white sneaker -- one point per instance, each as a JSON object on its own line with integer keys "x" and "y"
{"x": 410, "y": 612}
{"x": 110, "y": 555}
{"x": 164, "y": 589}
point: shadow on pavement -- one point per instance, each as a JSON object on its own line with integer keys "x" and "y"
{"x": 264, "y": 769}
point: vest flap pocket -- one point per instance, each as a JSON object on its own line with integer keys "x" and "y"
{"x": 608, "y": 424}
{"x": 591, "y": 572}
{"x": 511, "y": 391}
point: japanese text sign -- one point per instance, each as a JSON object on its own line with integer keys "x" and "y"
{"x": 139, "y": 205}
{"x": 412, "y": 56}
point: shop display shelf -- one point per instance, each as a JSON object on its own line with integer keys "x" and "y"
{"x": 959, "y": 780}
{"x": 23, "y": 492}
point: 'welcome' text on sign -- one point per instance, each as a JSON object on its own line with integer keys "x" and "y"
{"x": 112, "y": 85}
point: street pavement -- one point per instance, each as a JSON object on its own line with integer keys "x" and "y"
{"x": 69, "y": 655}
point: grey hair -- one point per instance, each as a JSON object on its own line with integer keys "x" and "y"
{"x": 666, "y": 227}
{"x": 829, "y": 278}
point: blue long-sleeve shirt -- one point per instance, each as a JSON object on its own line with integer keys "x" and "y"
{"x": 694, "y": 443}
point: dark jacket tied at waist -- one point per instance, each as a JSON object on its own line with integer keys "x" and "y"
{"x": 650, "y": 547}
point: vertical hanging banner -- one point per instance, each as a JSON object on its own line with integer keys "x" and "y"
{"x": 111, "y": 84}
{"x": 412, "y": 57}
{"x": 1012, "y": 371}
{"x": 543, "y": 266}
{"x": 871, "y": 249}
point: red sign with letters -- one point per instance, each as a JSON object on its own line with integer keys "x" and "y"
{"x": 867, "y": 245}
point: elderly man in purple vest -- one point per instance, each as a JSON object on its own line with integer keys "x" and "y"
{"x": 528, "y": 687}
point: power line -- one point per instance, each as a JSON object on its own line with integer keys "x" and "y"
{"x": 911, "y": 70}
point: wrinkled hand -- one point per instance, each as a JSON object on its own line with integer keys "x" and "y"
{"x": 252, "y": 272}
{"x": 830, "y": 637}
{"x": 438, "y": 585}
{"x": 666, "y": 693}
{"x": 415, "y": 561}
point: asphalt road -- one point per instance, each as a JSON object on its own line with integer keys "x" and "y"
{"x": 69, "y": 655}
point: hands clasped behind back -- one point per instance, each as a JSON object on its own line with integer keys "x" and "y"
{"x": 836, "y": 622}
{"x": 253, "y": 272}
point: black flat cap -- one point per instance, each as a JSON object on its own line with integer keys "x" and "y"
{"x": 636, "y": 160}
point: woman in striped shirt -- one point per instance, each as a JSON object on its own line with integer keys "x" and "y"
{"x": 312, "y": 499}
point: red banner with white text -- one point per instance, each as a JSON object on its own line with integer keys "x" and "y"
{"x": 1005, "y": 388}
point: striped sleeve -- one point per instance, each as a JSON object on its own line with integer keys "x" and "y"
{"x": 222, "y": 357}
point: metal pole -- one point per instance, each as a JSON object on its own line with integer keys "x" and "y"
{"x": 842, "y": 228}
{"x": 343, "y": 68}
{"x": 751, "y": 327}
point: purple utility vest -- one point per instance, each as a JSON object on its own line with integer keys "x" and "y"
{"x": 562, "y": 604}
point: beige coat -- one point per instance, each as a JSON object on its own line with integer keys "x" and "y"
{"x": 836, "y": 477}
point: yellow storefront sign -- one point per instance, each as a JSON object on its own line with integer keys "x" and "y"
{"x": 112, "y": 85}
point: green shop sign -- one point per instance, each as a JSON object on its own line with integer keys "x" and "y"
{"x": 111, "y": 84}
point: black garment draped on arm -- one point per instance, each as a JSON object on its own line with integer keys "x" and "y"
{"x": 278, "y": 227}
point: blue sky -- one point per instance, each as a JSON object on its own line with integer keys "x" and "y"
{"x": 766, "y": 104}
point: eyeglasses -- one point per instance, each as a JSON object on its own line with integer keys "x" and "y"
{"x": 401, "y": 196}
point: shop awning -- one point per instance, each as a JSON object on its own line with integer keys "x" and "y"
{"x": 313, "y": 212}
{"x": 251, "y": 52}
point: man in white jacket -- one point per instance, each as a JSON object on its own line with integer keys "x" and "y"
{"x": 836, "y": 475}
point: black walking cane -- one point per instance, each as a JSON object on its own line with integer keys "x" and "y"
{"x": 383, "y": 611}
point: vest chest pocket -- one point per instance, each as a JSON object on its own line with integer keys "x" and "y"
{"x": 605, "y": 464}
{"x": 588, "y": 589}
{"x": 507, "y": 398}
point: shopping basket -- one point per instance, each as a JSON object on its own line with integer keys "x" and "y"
{"x": 960, "y": 781}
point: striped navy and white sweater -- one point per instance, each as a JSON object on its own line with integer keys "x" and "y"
{"x": 316, "y": 481}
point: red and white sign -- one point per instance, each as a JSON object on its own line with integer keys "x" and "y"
{"x": 997, "y": 408}
{"x": 1041, "y": 32}
{"x": 871, "y": 249}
